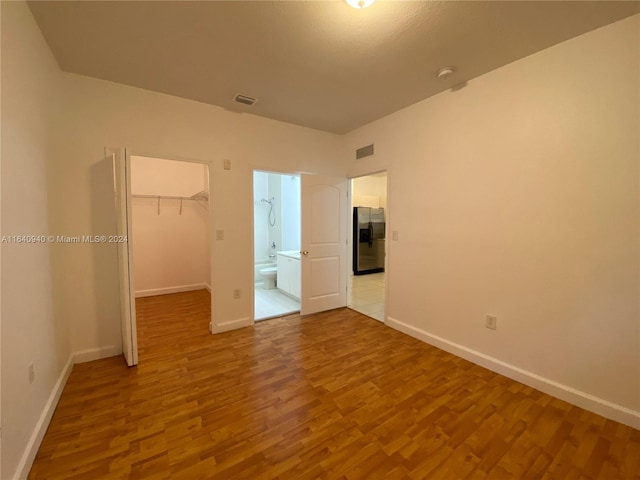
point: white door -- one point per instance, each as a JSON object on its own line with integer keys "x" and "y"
{"x": 122, "y": 189}
{"x": 324, "y": 243}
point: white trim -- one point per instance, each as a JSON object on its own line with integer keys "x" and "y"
{"x": 96, "y": 353}
{"x": 564, "y": 392}
{"x": 40, "y": 429}
{"x": 207, "y": 287}
{"x": 232, "y": 325}
{"x": 166, "y": 290}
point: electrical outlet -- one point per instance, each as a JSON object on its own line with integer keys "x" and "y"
{"x": 219, "y": 234}
{"x": 492, "y": 322}
{"x": 394, "y": 235}
{"x": 32, "y": 373}
{"x": 236, "y": 293}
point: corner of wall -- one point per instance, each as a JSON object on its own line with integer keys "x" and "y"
{"x": 24, "y": 466}
{"x": 92, "y": 354}
{"x": 584, "y": 400}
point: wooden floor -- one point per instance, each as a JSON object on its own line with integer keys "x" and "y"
{"x": 333, "y": 395}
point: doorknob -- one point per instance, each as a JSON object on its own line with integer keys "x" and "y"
{"x": 305, "y": 252}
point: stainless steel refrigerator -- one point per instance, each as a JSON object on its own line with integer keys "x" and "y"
{"x": 368, "y": 240}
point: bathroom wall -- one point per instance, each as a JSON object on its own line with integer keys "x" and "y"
{"x": 260, "y": 211}
{"x": 290, "y": 212}
{"x": 275, "y": 230}
{"x": 170, "y": 249}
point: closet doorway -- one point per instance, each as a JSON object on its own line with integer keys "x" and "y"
{"x": 171, "y": 251}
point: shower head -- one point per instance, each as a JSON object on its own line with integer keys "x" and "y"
{"x": 270, "y": 201}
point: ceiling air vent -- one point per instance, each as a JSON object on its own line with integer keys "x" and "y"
{"x": 364, "y": 151}
{"x": 244, "y": 99}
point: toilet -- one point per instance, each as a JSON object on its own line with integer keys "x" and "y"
{"x": 269, "y": 275}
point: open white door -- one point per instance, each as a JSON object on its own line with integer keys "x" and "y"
{"x": 324, "y": 243}
{"x": 122, "y": 189}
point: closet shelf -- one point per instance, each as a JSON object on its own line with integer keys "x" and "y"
{"x": 203, "y": 195}
{"x": 201, "y": 198}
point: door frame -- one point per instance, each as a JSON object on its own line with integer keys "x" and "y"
{"x": 255, "y": 168}
{"x": 269, "y": 169}
{"x": 387, "y": 242}
{"x": 128, "y": 153}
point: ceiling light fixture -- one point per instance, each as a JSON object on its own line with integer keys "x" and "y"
{"x": 359, "y": 4}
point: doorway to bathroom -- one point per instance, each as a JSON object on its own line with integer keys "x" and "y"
{"x": 276, "y": 241}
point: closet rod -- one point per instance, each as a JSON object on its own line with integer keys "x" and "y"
{"x": 167, "y": 197}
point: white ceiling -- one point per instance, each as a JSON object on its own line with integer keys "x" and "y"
{"x": 320, "y": 64}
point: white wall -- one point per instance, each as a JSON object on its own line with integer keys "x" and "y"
{"x": 275, "y": 230}
{"x": 159, "y": 176}
{"x": 260, "y": 213}
{"x": 170, "y": 247}
{"x": 369, "y": 191}
{"x": 100, "y": 114}
{"x": 290, "y": 212}
{"x": 31, "y": 330}
{"x": 517, "y": 195}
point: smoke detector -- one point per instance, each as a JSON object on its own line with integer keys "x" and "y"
{"x": 245, "y": 99}
{"x": 445, "y": 72}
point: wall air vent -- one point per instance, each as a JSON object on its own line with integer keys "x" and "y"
{"x": 247, "y": 100}
{"x": 364, "y": 151}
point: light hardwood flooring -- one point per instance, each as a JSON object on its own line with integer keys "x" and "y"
{"x": 334, "y": 395}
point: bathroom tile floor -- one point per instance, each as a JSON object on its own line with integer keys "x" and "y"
{"x": 273, "y": 303}
{"x": 366, "y": 294}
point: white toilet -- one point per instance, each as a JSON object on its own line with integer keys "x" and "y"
{"x": 269, "y": 275}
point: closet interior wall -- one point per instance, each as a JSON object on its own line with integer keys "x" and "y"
{"x": 170, "y": 226}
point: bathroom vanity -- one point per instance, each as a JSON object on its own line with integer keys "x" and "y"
{"x": 289, "y": 273}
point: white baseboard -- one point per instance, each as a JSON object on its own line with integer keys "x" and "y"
{"x": 167, "y": 290}
{"x": 96, "y": 354}
{"x": 232, "y": 325}
{"x": 576, "y": 397}
{"x": 45, "y": 418}
{"x": 43, "y": 422}
{"x": 208, "y": 287}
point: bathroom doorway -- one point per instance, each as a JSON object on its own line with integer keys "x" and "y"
{"x": 276, "y": 241}
{"x": 367, "y": 278}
